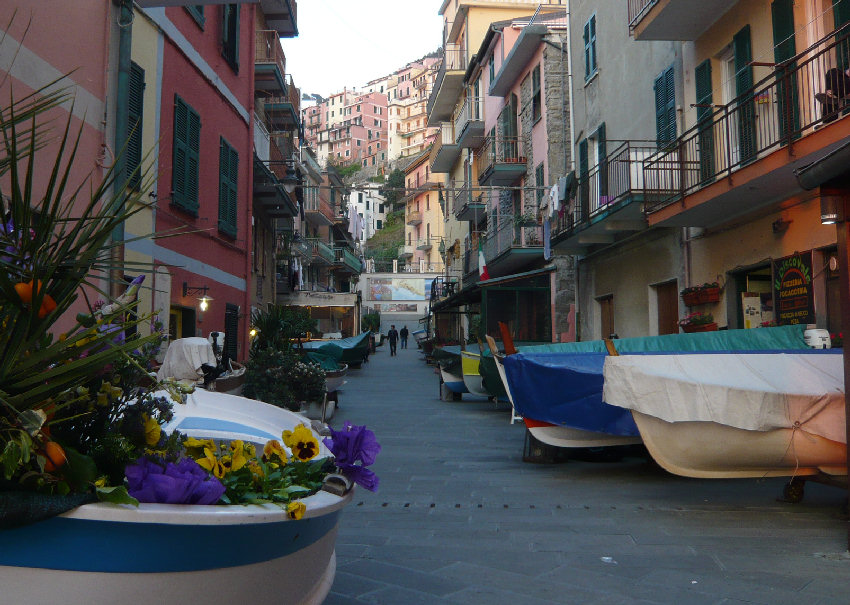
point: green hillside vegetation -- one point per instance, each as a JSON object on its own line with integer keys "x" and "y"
{"x": 384, "y": 245}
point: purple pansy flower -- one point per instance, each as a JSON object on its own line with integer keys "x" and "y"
{"x": 351, "y": 445}
{"x": 181, "y": 483}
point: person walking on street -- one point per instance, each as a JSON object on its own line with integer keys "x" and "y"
{"x": 404, "y": 334}
{"x": 392, "y": 336}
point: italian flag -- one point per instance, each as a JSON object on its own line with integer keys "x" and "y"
{"x": 482, "y": 263}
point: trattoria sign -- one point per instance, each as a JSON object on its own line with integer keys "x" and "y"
{"x": 792, "y": 289}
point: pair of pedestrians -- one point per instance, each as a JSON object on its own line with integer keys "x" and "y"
{"x": 394, "y": 336}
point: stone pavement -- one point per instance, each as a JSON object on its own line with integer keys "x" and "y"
{"x": 460, "y": 519}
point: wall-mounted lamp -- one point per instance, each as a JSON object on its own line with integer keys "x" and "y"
{"x": 205, "y": 299}
{"x": 291, "y": 180}
{"x": 781, "y": 225}
{"x": 831, "y": 210}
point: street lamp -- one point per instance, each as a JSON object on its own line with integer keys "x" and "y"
{"x": 291, "y": 180}
{"x": 204, "y": 299}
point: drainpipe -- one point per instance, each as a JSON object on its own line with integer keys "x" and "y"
{"x": 571, "y": 165}
{"x": 125, "y": 37}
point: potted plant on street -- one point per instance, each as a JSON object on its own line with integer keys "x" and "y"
{"x": 708, "y": 292}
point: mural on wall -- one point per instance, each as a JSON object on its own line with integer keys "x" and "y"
{"x": 792, "y": 289}
{"x": 399, "y": 288}
{"x": 397, "y": 307}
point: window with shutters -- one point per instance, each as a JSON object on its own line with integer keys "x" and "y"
{"x": 665, "y": 108}
{"x": 705, "y": 110}
{"x": 135, "y": 105}
{"x": 230, "y": 35}
{"x": 536, "y": 97}
{"x": 589, "y": 36}
{"x": 197, "y": 12}
{"x": 228, "y": 192}
{"x": 186, "y": 160}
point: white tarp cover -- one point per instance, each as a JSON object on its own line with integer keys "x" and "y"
{"x": 184, "y": 357}
{"x": 752, "y": 391}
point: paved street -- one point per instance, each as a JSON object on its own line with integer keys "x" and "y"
{"x": 460, "y": 519}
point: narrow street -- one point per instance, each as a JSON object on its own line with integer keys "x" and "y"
{"x": 459, "y": 517}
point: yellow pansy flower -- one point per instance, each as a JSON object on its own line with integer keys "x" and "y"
{"x": 211, "y": 463}
{"x": 152, "y": 430}
{"x": 195, "y": 448}
{"x": 274, "y": 448}
{"x": 295, "y": 510}
{"x": 302, "y": 442}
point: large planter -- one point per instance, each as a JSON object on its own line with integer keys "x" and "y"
{"x": 712, "y": 327}
{"x": 156, "y": 553}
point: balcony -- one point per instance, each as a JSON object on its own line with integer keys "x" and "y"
{"x": 607, "y": 206}
{"x": 445, "y": 151}
{"x": 317, "y": 211}
{"x": 424, "y": 245}
{"x": 269, "y": 195}
{"x": 469, "y": 124}
{"x": 301, "y": 249}
{"x": 269, "y": 62}
{"x": 414, "y": 217}
{"x": 511, "y": 245}
{"x": 321, "y": 253}
{"x": 676, "y": 20}
{"x": 740, "y": 157}
{"x": 282, "y": 16}
{"x": 465, "y": 206}
{"x": 283, "y": 111}
{"x": 406, "y": 251}
{"x": 347, "y": 261}
{"x": 502, "y": 161}
{"x": 448, "y": 85}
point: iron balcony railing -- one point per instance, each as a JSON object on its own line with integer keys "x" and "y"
{"x": 291, "y": 95}
{"x": 501, "y": 150}
{"x": 414, "y": 217}
{"x": 346, "y": 257}
{"x": 321, "y": 251}
{"x": 268, "y": 49}
{"x": 505, "y": 231}
{"x": 778, "y": 110}
{"x": 617, "y": 177}
{"x": 637, "y": 10}
{"x": 454, "y": 59}
{"x": 471, "y": 110}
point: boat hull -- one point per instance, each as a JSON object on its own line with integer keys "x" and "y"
{"x": 472, "y": 379}
{"x": 102, "y": 553}
{"x": 564, "y": 436}
{"x": 453, "y": 382}
{"x": 110, "y": 553}
{"x": 713, "y": 450}
{"x": 335, "y": 379}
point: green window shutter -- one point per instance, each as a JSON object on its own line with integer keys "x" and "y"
{"x": 784, "y": 48}
{"x": 228, "y": 191}
{"x": 135, "y": 105}
{"x": 584, "y": 190}
{"x": 197, "y": 12}
{"x": 602, "y": 155}
{"x": 743, "y": 89}
{"x": 185, "y": 164}
{"x": 230, "y": 35}
{"x": 704, "y": 99}
{"x": 665, "y": 107}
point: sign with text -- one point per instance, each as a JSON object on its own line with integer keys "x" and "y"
{"x": 792, "y": 289}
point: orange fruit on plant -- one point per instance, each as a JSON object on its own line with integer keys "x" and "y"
{"x": 55, "y": 455}
{"x": 24, "y": 292}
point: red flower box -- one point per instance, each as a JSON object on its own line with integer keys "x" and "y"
{"x": 691, "y": 298}
{"x": 712, "y": 327}
{"x": 709, "y": 295}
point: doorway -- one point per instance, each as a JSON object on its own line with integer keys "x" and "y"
{"x": 667, "y": 298}
{"x": 606, "y": 316}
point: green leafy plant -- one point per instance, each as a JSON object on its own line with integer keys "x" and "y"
{"x": 279, "y": 326}
{"x": 696, "y": 319}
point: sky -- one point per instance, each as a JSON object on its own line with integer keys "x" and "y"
{"x": 346, "y": 43}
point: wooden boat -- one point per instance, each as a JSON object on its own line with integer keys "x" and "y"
{"x": 355, "y": 349}
{"x": 736, "y": 415}
{"x": 335, "y": 378}
{"x": 472, "y": 378}
{"x": 194, "y": 360}
{"x": 108, "y": 553}
{"x": 578, "y": 416}
{"x": 448, "y": 359}
{"x": 231, "y": 381}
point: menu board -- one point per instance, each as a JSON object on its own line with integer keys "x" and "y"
{"x": 792, "y": 289}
